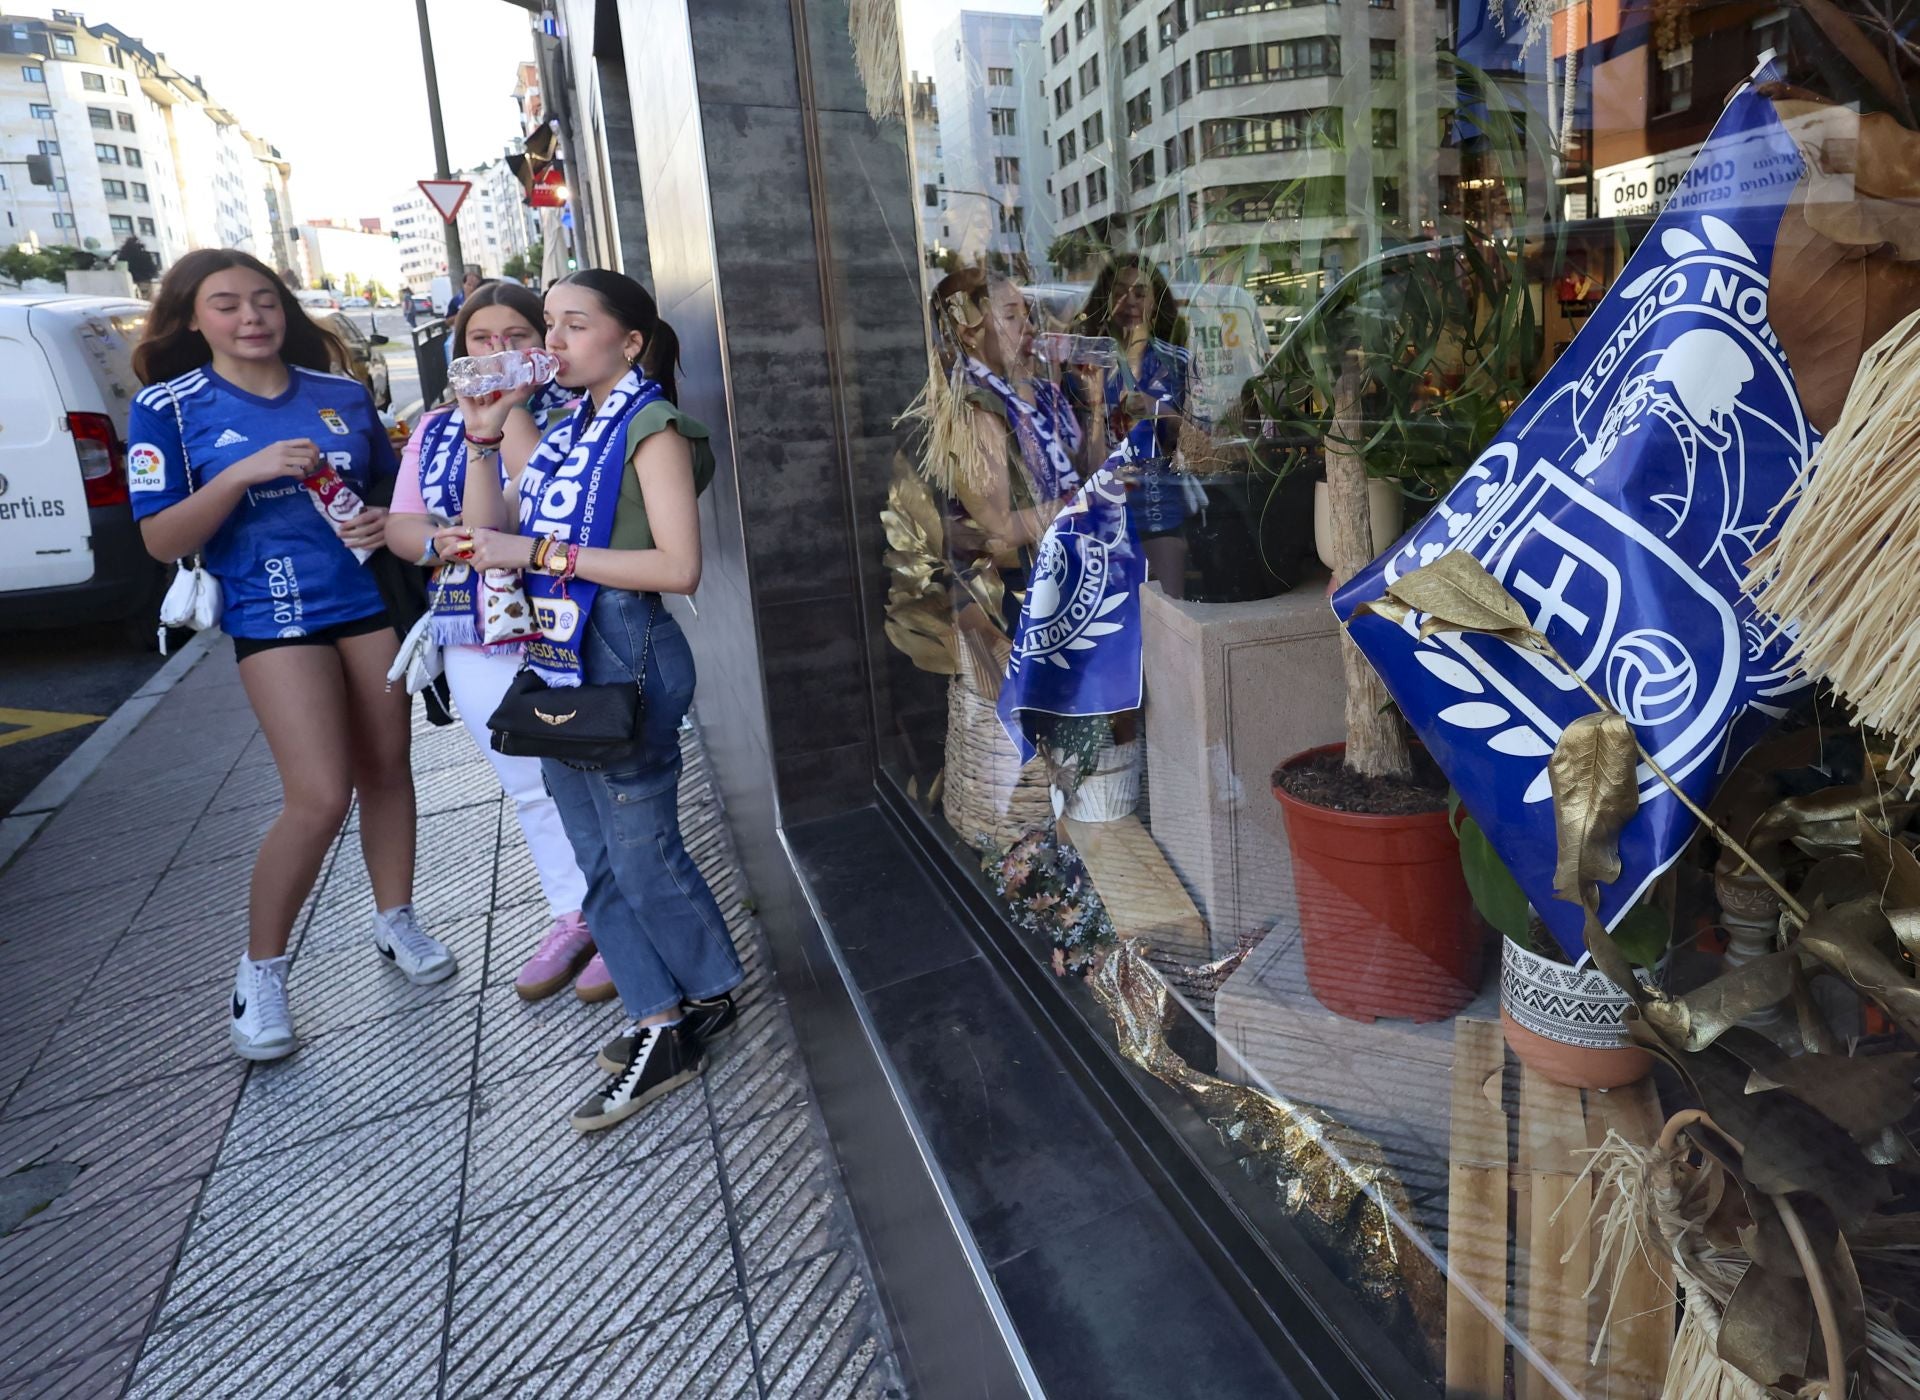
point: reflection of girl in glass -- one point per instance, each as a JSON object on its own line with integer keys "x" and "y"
{"x": 1132, "y": 303}
{"x": 1005, "y": 440}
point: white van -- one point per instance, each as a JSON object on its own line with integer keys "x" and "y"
{"x": 69, "y": 549}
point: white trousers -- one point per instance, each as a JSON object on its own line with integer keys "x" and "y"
{"x": 477, "y": 681}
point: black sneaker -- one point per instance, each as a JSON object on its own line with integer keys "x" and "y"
{"x": 706, "y": 1020}
{"x": 660, "y": 1060}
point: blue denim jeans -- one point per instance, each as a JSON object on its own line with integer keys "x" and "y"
{"x": 651, "y": 914}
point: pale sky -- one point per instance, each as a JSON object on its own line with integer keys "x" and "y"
{"x": 337, "y": 85}
{"x": 921, "y": 20}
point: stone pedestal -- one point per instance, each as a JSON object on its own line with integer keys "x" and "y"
{"x": 1233, "y": 690}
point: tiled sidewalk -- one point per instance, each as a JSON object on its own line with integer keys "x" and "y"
{"x": 400, "y": 1210}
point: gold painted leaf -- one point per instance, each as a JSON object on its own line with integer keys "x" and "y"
{"x": 1594, "y": 795}
{"x": 1766, "y": 1332}
{"x": 1862, "y": 1093}
{"x": 1852, "y": 940}
{"x": 1396, "y": 613}
{"x": 1894, "y": 870}
{"x": 1702, "y": 1016}
{"x": 1617, "y": 968}
{"x": 929, "y": 653}
{"x": 1459, "y": 595}
{"x": 1826, "y": 822}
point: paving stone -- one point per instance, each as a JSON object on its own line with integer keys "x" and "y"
{"x": 20, "y": 1045}
{"x": 517, "y": 930}
{"x": 197, "y": 896}
{"x": 291, "y": 1342}
{"x": 586, "y": 1264}
{"x": 73, "y": 1285}
{"x": 104, "y": 812}
{"x": 818, "y": 1336}
{"x": 356, "y": 1074}
{"x": 177, "y": 1031}
{"x": 190, "y": 953}
{"x": 126, "y": 1143}
{"x": 299, "y": 1210}
{"x": 43, "y": 872}
{"x": 339, "y": 980}
{"x": 453, "y": 868}
{"x": 247, "y": 785}
{"x": 785, "y": 1205}
{"x": 756, "y": 1068}
{"x": 100, "y": 1375}
{"x": 34, "y": 928}
{"x": 523, "y": 1145}
{"x": 229, "y": 832}
{"x": 517, "y": 1036}
{"x": 703, "y": 1352}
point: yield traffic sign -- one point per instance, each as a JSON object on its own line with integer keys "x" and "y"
{"x": 446, "y": 195}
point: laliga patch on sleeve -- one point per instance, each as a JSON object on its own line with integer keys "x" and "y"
{"x": 146, "y": 467}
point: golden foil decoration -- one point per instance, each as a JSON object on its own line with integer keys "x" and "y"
{"x": 1327, "y": 1176}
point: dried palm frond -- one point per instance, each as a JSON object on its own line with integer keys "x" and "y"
{"x": 874, "y": 27}
{"x": 952, "y": 460}
{"x": 1836, "y": 579}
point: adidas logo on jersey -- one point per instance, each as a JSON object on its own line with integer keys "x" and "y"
{"x": 229, "y": 438}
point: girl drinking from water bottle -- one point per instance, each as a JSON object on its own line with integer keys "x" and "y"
{"x": 607, "y": 524}
{"x": 497, "y": 319}
{"x": 241, "y": 433}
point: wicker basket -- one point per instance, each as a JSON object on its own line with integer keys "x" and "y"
{"x": 991, "y": 799}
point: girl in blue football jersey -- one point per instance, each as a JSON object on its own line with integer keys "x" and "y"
{"x": 241, "y": 415}
{"x": 606, "y": 508}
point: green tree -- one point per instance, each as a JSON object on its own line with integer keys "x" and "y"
{"x": 51, "y": 263}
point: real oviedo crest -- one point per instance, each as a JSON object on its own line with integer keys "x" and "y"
{"x": 1619, "y": 505}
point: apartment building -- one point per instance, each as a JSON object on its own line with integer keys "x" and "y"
{"x": 988, "y": 74}
{"x": 1266, "y": 142}
{"x": 923, "y": 102}
{"x": 135, "y": 146}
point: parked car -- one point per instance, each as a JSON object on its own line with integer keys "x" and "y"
{"x": 356, "y": 303}
{"x": 318, "y": 300}
{"x": 70, "y": 551}
{"x": 389, "y": 303}
{"x": 366, "y": 361}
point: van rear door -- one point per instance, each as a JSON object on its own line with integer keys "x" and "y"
{"x": 44, "y": 527}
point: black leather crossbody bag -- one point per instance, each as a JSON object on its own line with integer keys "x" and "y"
{"x": 586, "y": 725}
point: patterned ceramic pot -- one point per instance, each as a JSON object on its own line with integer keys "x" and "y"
{"x": 1111, "y": 791}
{"x": 1565, "y": 1022}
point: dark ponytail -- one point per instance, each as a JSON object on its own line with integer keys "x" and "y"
{"x": 632, "y": 305}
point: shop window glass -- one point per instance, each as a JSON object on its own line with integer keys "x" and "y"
{"x": 1321, "y": 259}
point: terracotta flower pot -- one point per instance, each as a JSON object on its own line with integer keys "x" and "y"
{"x": 1386, "y": 922}
{"x": 1564, "y": 1023}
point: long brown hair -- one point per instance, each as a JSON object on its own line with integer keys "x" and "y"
{"x": 521, "y": 301}
{"x": 171, "y": 346}
{"x": 1165, "y": 323}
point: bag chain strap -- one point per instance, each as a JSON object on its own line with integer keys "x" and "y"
{"x": 186, "y": 460}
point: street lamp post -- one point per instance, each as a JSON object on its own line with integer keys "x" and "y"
{"x": 456, "y": 264}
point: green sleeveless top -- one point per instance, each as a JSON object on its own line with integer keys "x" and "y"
{"x": 630, "y": 527}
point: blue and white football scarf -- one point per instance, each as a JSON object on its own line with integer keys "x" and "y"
{"x": 443, "y": 483}
{"x": 570, "y": 490}
{"x": 1048, "y": 431}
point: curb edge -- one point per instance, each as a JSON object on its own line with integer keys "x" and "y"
{"x": 19, "y": 826}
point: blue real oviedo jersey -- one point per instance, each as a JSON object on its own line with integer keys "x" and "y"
{"x": 283, "y": 570}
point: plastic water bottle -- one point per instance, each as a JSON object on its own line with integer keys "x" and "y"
{"x": 1078, "y": 351}
{"x": 473, "y": 376}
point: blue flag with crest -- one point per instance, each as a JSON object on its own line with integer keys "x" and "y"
{"x": 1077, "y": 646}
{"x": 1619, "y": 505}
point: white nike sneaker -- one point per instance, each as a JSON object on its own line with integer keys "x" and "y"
{"x": 399, "y": 939}
{"x": 262, "y": 1024}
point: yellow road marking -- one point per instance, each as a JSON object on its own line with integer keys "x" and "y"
{"x": 37, "y": 724}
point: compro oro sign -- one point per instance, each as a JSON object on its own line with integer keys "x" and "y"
{"x": 1642, "y": 186}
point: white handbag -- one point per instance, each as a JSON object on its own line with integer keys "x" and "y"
{"x": 193, "y": 599}
{"x": 419, "y": 662}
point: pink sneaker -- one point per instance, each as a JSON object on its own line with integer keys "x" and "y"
{"x": 596, "y": 983}
{"x": 564, "y": 948}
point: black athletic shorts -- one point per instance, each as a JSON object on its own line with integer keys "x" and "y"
{"x": 243, "y": 647}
